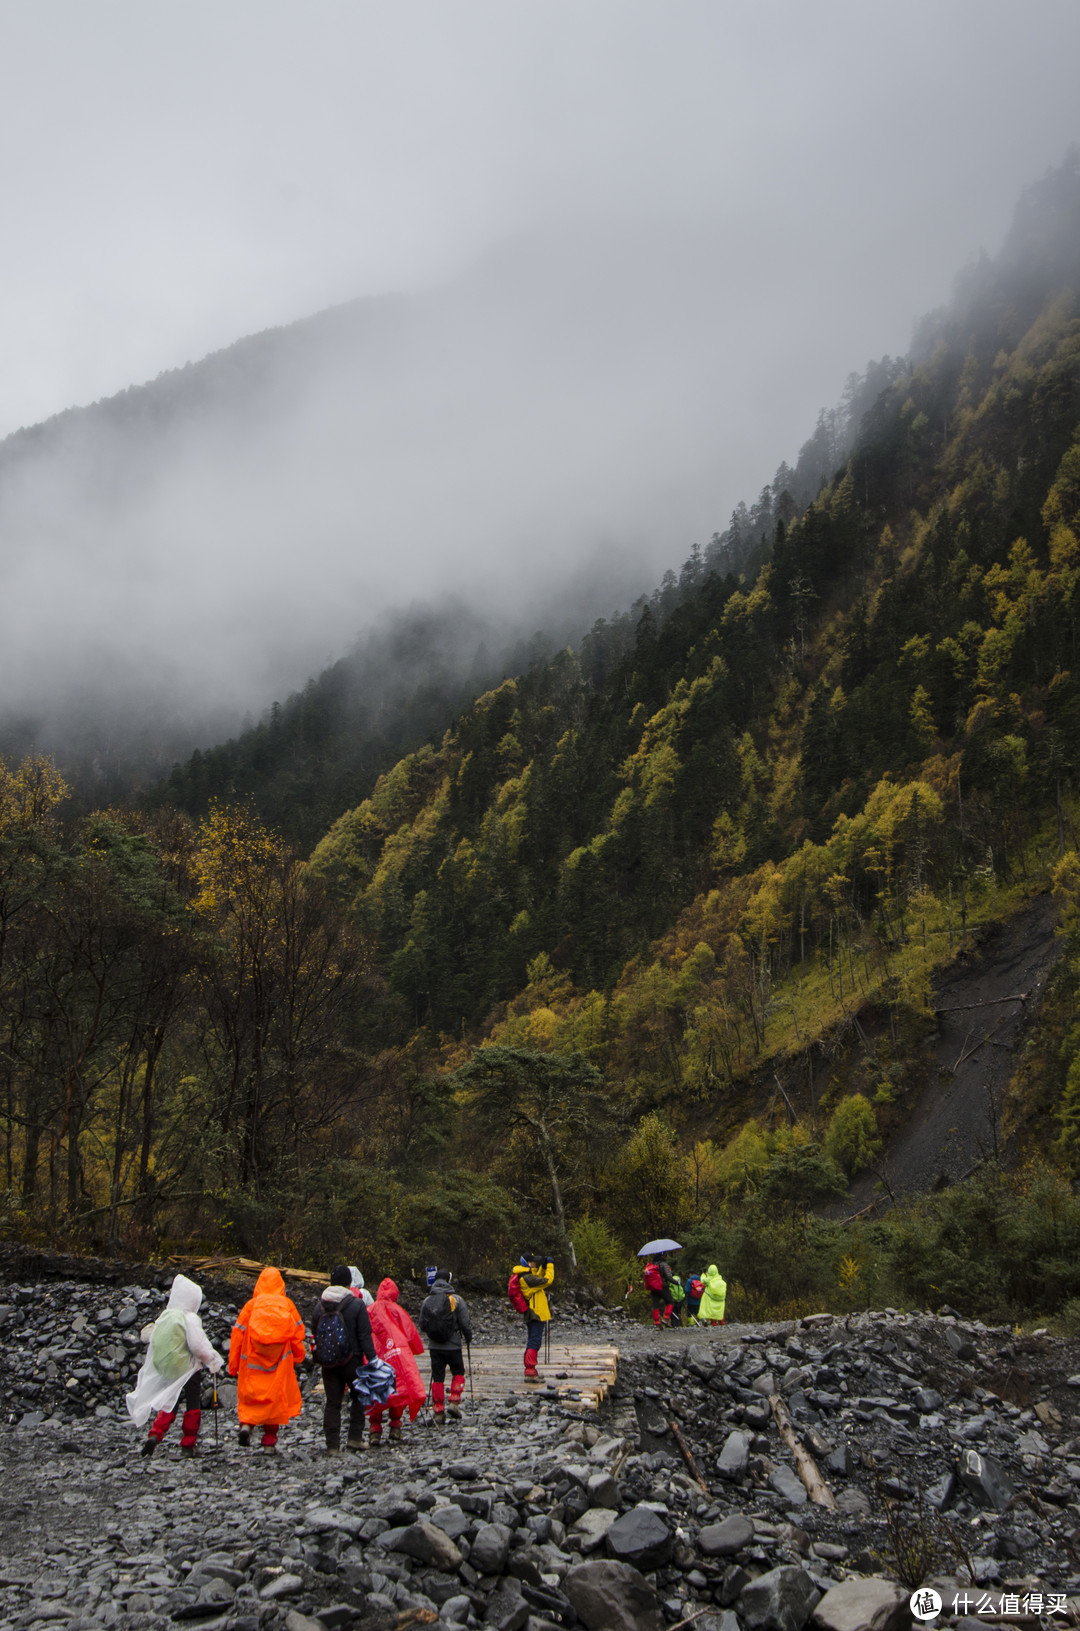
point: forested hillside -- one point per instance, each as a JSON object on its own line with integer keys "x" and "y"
{"x": 646, "y": 940}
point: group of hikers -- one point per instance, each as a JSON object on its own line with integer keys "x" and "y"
{"x": 703, "y": 1297}
{"x": 365, "y": 1346}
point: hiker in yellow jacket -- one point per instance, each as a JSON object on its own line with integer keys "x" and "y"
{"x": 713, "y": 1298}
{"x": 534, "y": 1275}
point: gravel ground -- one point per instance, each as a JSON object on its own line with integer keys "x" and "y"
{"x": 921, "y": 1425}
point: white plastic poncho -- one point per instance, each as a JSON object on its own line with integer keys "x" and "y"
{"x": 357, "y": 1281}
{"x": 160, "y": 1382}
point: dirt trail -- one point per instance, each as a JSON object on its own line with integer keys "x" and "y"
{"x": 953, "y": 1123}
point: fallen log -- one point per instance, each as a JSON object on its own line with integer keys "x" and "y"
{"x": 692, "y": 1466}
{"x": 966, "y": 1007}
{"x": 816, "y": 1487}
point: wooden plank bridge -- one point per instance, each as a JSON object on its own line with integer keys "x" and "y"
{"x": 577, "y": 1374}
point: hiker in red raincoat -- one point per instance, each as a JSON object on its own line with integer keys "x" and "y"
{"x": 396, "y": 1341}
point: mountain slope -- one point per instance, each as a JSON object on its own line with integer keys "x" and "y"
{"x": 886, "y": 713}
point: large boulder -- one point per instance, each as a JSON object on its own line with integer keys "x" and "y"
{"x": 872, "y": 1604}
{"x": 782, "y": 1600}
{"x": 985, "y": 1480}
{"x": 610, "y": 1596}
{"x": 641, "y": 1537}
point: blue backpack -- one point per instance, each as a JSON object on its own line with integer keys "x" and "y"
{"x": 332, "y": 1346}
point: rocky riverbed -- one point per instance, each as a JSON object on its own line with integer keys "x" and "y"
{"x": 951, "y": 1449}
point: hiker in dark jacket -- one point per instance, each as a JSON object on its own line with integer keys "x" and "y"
{"x": 359, "y": 1347}
{"x": 444, "y": 1320}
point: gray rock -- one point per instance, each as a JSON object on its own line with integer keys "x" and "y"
{"x": 325, "y": 1517}
{"x": 781, "y": 1600}
{"x": 734, "y": 1457}
{"x": 611, "y": 1596}
{"x": 928, "y": 1398}
{"x": 942, "y": 1492}
{"x": 593, "y": 1526}
{"x": 295, "y": 1621}
{"x": 864, "y": 1605}
{"x": 854, "y": 1502}
{"x": 641, "y": 1537}
{"x": 788, "y": 1485}
{"x": 282, "y": 1585}
{"x": 725, "y": 1538}
{"x": 395, "y": 1510}
{"x": 427, "y": 1544}
{"x": 451, "y": 1520}
{"x": 490, "y": 1549}
{"x": 602, "y": 1490}
{"x": 456, "y": 1610}
{"x": 838, "y": 1461}
{"x": 985, "y": 1480}
{"x": 506, "y": 1609}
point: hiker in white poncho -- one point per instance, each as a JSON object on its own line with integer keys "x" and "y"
{"x": 178, "y": 1350}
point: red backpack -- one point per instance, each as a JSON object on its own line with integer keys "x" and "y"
{"x": 654, "y": 1280}
{"x": 517, "y": 1297}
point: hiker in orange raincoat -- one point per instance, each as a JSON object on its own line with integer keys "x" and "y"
{"x": 396, "y": 1341}
{"x": 267, "y": 1343}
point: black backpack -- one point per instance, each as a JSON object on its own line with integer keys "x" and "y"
{"x": 332, "y": 1346}
{"x": 440, "y": 1319}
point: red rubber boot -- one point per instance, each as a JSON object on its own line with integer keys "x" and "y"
{"x": 667, "y": 1314}
{"x": 656, "y": 1317}
{"x": 158, "y": 1428}
{"x": 531, "y": 1372}
{"x": 438, "y": 1403}
{"x": 457, "y": 1388}
{"x": 189, "y": 1431}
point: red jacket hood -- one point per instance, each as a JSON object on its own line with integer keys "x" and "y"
{"x": 388, "y": 1292}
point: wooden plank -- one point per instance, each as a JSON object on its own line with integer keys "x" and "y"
{"x": 580, "y": 1376}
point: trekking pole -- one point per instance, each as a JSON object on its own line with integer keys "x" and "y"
{"x": 468, "y": 1350}
{"x": 215, "y": 1407}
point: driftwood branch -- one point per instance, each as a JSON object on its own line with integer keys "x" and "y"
{"x": 692, "y": 1465}
{"x": 244, "y": 1265}
{"x": 991, "y": 1002}
{"x": 816, "y": 1487}
{"x": 967, "y": 1052}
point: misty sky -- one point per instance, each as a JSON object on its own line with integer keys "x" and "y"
{"x": 176, "y": 176}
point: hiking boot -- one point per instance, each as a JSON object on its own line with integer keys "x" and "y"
{"x": 332, "y": 1449}
{"x": 188, "y": 1449}
{"x": 243, "y": 1438}
{"x": 149, "y": 1445}
{"x": 395, "y": 1432}
{"x": 375, "y": 1438}
{"x": 354, "y": 1444}
{"x": 439, "y": 1417}
{"x": 454, "y": 1412}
